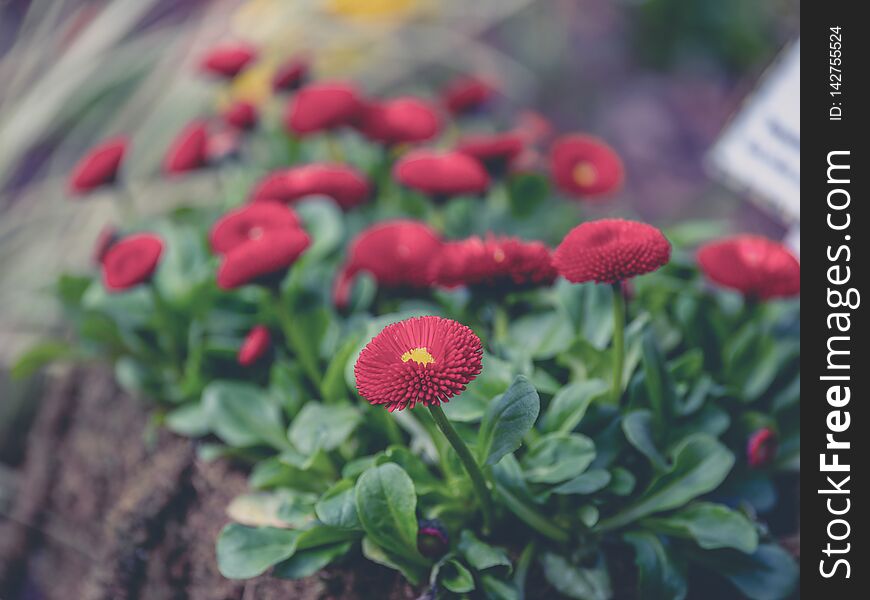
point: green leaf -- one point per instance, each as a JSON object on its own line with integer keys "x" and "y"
{"x": 189, "y": 420}
{"x": 585, "y": 483}
{"x": 660, "y": 387}
{"x": 386, "y": 505}
{"x": 622, "y": 482}
{"x": 268, "y": 509}
{"x": 243, "y": 415}
{"x": 412, "y": 571}
{"x": 40, "y": 355}
{"x": 638, "y": 428}
{"x": 245, "y": 552}
{"x": 660, "y": 576}
{"x": 568, "y": 406}
{"x": 540, "y": 336}
{"x": 337, "y": 507}
{"x": 480, "y": 555}
{"x": 320, "y": 426}
{"x": 308, "y": 562}
{"x": 324, "y": 222}
{"x": 576, "y": 582}
{"x": 700, "y": 463}
{"x": 711, "y": 526}
{"x": 557, "y": 457}
{"x": 333, "y": 387}
{"x": 507, "y": 420}
{"x": 453, "y": 575}
{"x": 294, "y": 470}
{"x": 770, "y": 573}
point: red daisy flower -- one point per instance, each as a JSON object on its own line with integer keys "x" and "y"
{"x": 761, "y": 448}
{"x": 189, "y": 150}
{"x": 585, "y": 166}
{"x": 496, "y": 151}
{"x": 250, "y": 222}
{"x": 241, "y": 115}
{"x": 753, "y": 265}
{"x": 344, "y": 184}
{"x": 322, "y": 106}
{"x": 467, "y": 94}
{"x": 501, "y": 262}
{"x": 99, "y": 166}
{"x": 131, "y": 261}
{"x": 399, "y": 121}
{"x": 441, "y": 174}
{"x": 396, "y": 253}
{"x": 107, "y": 238}
{"x": 256, "y": 344}
{"x": 268, "y": 254}
{"x": 425, "y": 360}
{"x": 290, "y": 75}
{"x": 610, "y": 250}
{"x": 228, "y": 60}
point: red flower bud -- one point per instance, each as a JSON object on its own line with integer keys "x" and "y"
{"x": 432, "y": 539}
{"x": 403, "y": 120}
{"x": 256, "y": 344}
{"x": 241, "y": 115}
{"x": 425, "y": 360}
{"x": 755, "y": 266}
{"x": 761, "y": 448}
{"x": 290, "y": 75}
{"x": 396, "y": 253}
{"x": 131, "y": 261}
{"x": 268, "y": 254}
{"x": 441, "y": 174}
{"x": 467, "y": 94}
{"x": 503, "y": 263}
{"x": 189, "y": 150}
{"x": 344, "y": 184}
{"x": 250, "y": 222}
{"x": 495, "y": 151}
{"x": 99, "y": 166}
{"x": 611, "y": 250}
{"x": 322, "y": 106}
{"x": 584, "y": 166}
{"x": 228, "y": 60}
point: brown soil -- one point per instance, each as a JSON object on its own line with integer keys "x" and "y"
{"x": 100, "y": 514}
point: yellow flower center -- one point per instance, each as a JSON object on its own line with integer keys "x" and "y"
{"x": 420, "y": 356}
{"x": 584, "y": 173}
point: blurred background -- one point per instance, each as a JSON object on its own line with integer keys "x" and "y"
{"x": 658, "y": 79}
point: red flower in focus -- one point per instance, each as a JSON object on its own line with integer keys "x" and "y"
{"x": 425, "y": 360}
{"x": 290, "y": 75}
{"x": 189, "y": 150}
{"x": 496, "y": 151}
{"x": 755, "y": 266}
{"x": 396, "y": 253}
{"x": 228, "y": 60}
{"x": 400, "y": 121}
{"x": 344, "y": 184}
{"x": 322, "y": 106}
{"x": 467, "y": 94}
{"x": 131, "y": 261}
{"x": 256, "y": 344}
{"x": 268, "y": 254}
{"x": 441, "y": 174}
{"x": 98, "y": 167}
{"x": 761, "y": 447}
{"x": 107, "y": 238}
{"x": 250, "y": 222}
{"x": 241, "y": 115}
{"x": 501, "y": 262}
{"x": 585, "y": 166}
{"x": 611, "y": 250}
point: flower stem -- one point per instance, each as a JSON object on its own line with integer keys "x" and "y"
{"x": 618, "y": 341}
{"x": 531, "y": 517}
{"x": 468, "y": 461}
{"x": 166, "y": 322}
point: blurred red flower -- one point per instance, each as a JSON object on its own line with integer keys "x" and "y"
{"x": 131, "y": 261}
{"x": 495, "y": 262}
{"x": 255, "y": 345}
{"x": 611, "y": 250}
{"x": 441, "y": 175}
{"x": 425, "y": 360}
{"x": 189, "y": 150}
{"x": 290, "y": 75}
{"x": 250, "y": 222}
{"x": 344, "y": 184}
{"x": 753, "y": 265}
{"x": 268, "y": 254}
{"x": 586, "y": 167}
{"x": 396, "y": 253}
{"x": 99, "y": 166}
{"x": 495, "y": 151}
{"x": 322, "y": 106}
{"x": 467, "y": 94}
{"x": 533, "y": 127}
{"x": 241, "y": 115}
{"x": 228, "y": 60}
{"x": 400, "y": 121}
{"x": 107, "y": 238}
{"x": 761, "y": 448}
